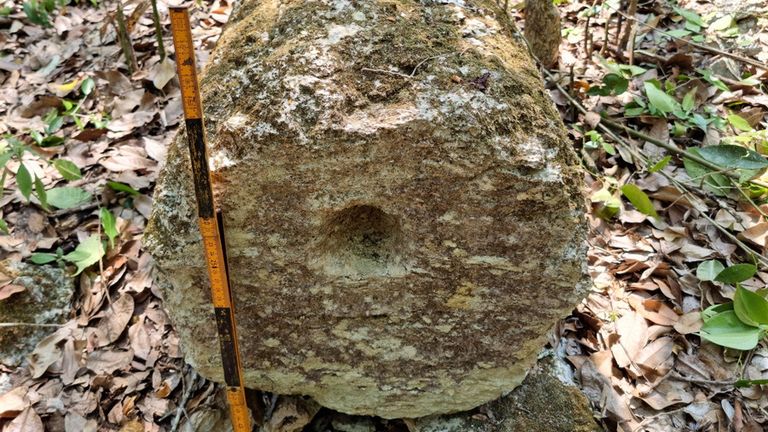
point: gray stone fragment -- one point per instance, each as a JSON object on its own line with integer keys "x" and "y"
{"x": 45, "y": 300}
{"x": 402, "y": 206}
{"x": 546, "y": 401}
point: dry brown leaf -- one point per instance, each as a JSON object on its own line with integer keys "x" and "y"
{"x": 632, "y": 331}
{"x": 115, "y": 414}
{"x": 47, "y": 352}
{"x": 653, "y": 310}
{"x": 129, "y": 122}
{"x": 689, "y": 323}
{"x": 656, "y": 357}
{"x": 13, "y": 402}
{"x": 134, "y": 426}
{"x": 692, "y": 252}
{"x": 139, "y": 339}
{"x": 127, "y": 162}
{"x": 117, "y": 317}
{"x": 9, "y": 290}
{"x": 74, "y": 422}
{"x": 119, "y": 84}
{"x": 107, "y": 362}
{"x": 207, "y": 419}
{"x": 665, "y": 394}
{"x": 71, "y": 360}
{"x": 163, "y": 72}
{"x": 603, "y": 361}
{"x": 27, "y": 421}
{"x": 757, "y": 234}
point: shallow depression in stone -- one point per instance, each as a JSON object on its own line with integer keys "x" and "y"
{"x": 361, "y": 241}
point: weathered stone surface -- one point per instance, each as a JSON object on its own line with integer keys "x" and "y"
{"x": 548, "y": 400}
{"x": 401, "y": 204}
{"x": 45, "y": 300}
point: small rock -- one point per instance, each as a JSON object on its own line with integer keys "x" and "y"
{"x": 542, "y": 403}
{"x": 46, "y": 300}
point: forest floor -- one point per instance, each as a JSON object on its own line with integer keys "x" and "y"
{"x": 678, "y": 216}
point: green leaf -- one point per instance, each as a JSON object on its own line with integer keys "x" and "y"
{"x": 708, "y": 270}
{"x": 87, "y": 86}
{"x": 68, "y": 197}
{"x": 659, "y": 100}
{"x": 109, "y": 224}
{"x": 87, "y": 253}
{"x": 736, "y": 273}
{"x": 24, "y": 181}
{"x": 715, "y": 182}
{"x": 748, "y": 383}
{"x": 67, "y": 169}
{"x": 679, "y": 129}
{"x": 722, "y": 23}
{"x": 51, "y": 141}
{"x": 739, "y": 123}
{"x": 36, "y": 136}
{"x": 713, "y": 310}
{"x": 680, "y": 33}
{"x": 35, "y": 13}
{"x": 41, "y": 194}
{"x": 715, "y": 81}
{"x": 726, "y": 329}
{"x": 690, "y": 16}
{"x": 616, "y": 83}
{"x": 42, "y": 257}
{"x": 120, "y": 187}
{"x": 658, "y": 166}
{"x": 4, "y": 226}
{"x": 689, "y": 101}
{"x": 751, "y": 308}
{"x": 54, "y": 124}
{"x": 612, "y": 84}
{"x": 733, "y": 156}
{"x": 639, "y": 199}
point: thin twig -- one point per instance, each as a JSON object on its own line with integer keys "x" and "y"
{"x": 625, "y": 33}
{"x": 187, "y": 394}
{"x": 416, "y": 68}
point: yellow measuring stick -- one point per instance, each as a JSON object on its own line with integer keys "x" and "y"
{"x": 209, "y": 220}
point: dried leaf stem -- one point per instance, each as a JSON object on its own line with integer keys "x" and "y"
{"x": 158, "y": 30}
{"x": 125, "y": 39}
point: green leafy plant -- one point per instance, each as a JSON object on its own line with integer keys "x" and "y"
{"x": 593, "y": 140}
{"x": 607, "y": 199}
{"x": 109, "y": 224}
{"x": 739, "y": 324}
{"x": 55, "y": 118}
{"x": 745, "y": 162}
{"x": 39, "y": 12}
{"x": 87, "y": 253}
{"x": 30, "y": 185}
{"x": 613, "y": 84}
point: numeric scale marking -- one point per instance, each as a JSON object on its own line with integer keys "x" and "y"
{"x": 210, "y": 221}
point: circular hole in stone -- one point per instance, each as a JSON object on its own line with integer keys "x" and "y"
{"x": 362, "y": 240}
